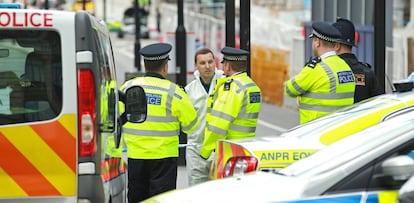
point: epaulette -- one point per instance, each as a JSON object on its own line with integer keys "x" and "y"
{"x": 312, "y": 63}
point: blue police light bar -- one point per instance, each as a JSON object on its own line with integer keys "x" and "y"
{"x": 10, "y": 5}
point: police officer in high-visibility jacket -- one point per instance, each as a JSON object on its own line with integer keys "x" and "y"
{"x": 326, "y": 83}
{"x": 152, "y": 146}
{"x": 234, "y": 106}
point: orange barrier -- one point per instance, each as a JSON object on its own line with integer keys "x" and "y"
{"x": 270, "y": 69}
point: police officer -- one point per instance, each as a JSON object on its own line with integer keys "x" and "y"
{"x": 234, "y": 105}
{"x": 199, "y": 90}
{"x": 153, "y": 145}
{"x": 366, "y": 83}
{"x": 326, "y": 83}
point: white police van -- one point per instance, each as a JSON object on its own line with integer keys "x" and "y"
{"x": 59, "y": 119}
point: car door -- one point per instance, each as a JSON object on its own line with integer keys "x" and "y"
{"x": 369, "y": 180}
{"x": 37, "y": 135}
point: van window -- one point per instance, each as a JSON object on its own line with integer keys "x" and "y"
{"x": 107, "y": 81}
{"x": 30, "y": 75}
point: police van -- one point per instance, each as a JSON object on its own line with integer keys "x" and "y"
{"x": 60, "y": 126}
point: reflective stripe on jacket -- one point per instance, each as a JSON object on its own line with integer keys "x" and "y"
{"x": 326, "y": 87}
{"x": 233, "y": 111}
{"x": 169, "y": 110}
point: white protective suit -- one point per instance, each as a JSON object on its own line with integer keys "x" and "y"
{"x": 197, "y": 167}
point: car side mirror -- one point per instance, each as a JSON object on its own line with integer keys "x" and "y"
{"x": 399, "y": 167}
{"x": 396, "y": 170}
{"x": 135, "y": 102}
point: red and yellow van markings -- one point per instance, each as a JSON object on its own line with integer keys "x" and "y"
{"x": 122, "y": 168}
{"x": 64, "y": 144}
{"x": 68, "y": 121}
{"x": 9, "y": 186}
{"x": 17, "y": 167}
{"x": 113, "y": 167}
{"x": 40, "y": 158}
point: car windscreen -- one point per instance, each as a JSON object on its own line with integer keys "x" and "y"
{"x": 30, "y": 75}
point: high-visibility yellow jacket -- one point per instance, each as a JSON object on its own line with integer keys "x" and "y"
{"x": 233, "y": 111}
{"x": 323, "y": 86}
{"x": 169, "y": 110}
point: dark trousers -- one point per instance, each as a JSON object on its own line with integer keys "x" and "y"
{"x": 149, "y": 177}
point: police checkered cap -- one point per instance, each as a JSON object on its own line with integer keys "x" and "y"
{"x": 155, "y": 52}
{"x": 235, "y": 58}
{"x": 156, "y": 58}
{"x": 233, "y": 54}
{"x": 325, "y": 31}
{"x": 324, "y": 37}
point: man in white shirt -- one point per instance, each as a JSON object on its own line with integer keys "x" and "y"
{"x": 199, "y": 89}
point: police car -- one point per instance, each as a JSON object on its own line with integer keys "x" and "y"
{"x": 272, "y": 153}
{"x": 60, "y": 126}
{"x": 368, "y": 166}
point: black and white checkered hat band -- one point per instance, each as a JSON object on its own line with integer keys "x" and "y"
{"x": 156, "y": 58}
{"x": 235, "y": 58}
{"x": 323, "y": 37}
